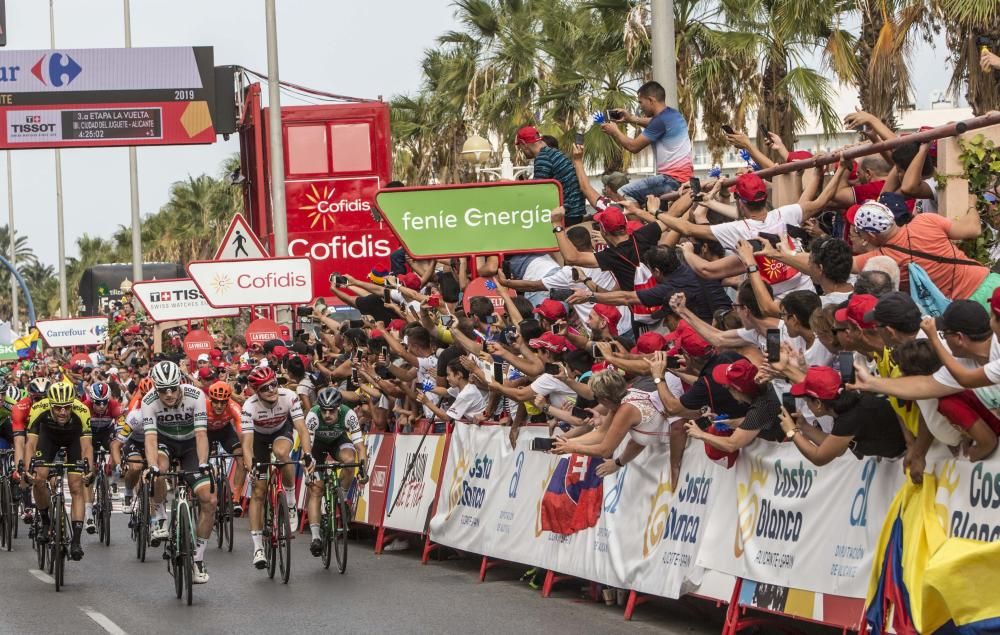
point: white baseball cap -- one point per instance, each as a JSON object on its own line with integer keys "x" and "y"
{"x": 203, "y": 357}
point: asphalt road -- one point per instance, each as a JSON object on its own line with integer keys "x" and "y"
{"x": 110, "y": 591}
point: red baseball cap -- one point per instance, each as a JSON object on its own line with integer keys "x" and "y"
{"x": 687, "y": 340}
{"x": 205, "y": 373}
{"x": 132, "y": 330}
{"x": 551, "y": 309}
{"x": 750, "y": 188}
{"x": 527, "y": 135}
{"x": 410, "y": 280}
{"x": 245, "y": 367}
{"x": 649, "y": 342}
{"x": 995, "y": 301}
{"x": 740, "y": 375}
{"x": 851, "y": 212}
{"x": 633, "y": 226}
{"x": 397, "y": 325}
{"x": 550, "y": 341}
{"x": 798, "y": 155}
{"x": 611, "y": 315}
{"x": 821, "y": 382}
{"x": 280, "y": 351}
{"x": 611, "y": 219}
{"x": 857, "y": 307}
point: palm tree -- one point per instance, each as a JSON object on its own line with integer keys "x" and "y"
{"x": 966, "y": 21}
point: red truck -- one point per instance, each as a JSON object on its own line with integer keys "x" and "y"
{"x": 337, "y": 157}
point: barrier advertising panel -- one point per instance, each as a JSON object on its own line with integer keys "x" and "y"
{"x": 74, "y": 331}
{"x": 371, "y": 501}
{"x": 409, "y": 501}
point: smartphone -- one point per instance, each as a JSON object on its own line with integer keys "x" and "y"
{"x": 385, "y": 353}
{"x": 542, "y": 444}
{"x": 553, "y": 369}
{"x": 340, "y": 281}
{"x": 355, "y": 324}
{"x": 576, "y": 274}
{"x": 728, "y": 129}
{"x": 598, "y": 355}
{"x": 383, "y": 372}
{"x": 333, "y": 277}
{"x": 703, "y": 422}
{"x": 446, "y": 320}
{"x": 303, "y": 311}
{"x": 788, "y": 401}
{"x": 560, "y": 294}
{"x": 664, "y": 205}
{"x": 846, "y": 361}
{"x": 797, "y": 232}
{"x": 771, "y": 238}
{"x": 757, "y": 244}
{"x": 386, "y": 295}
{"x": 695, "y": 184}
{"x": 578, "y": 139}
{"x": 773, "y": 339}
{"x": 616, "y": 114}
{"x": 674, "y": 361}
{"x": 359, "y": 355}
{"x": 354, "y": 377}
{"x": 491, "y": 319}
{"x": 580, "y": 413}
{"x": 764, "y": 132}
{"x": 498, "y": 372}
{"x": 555, "y": 329}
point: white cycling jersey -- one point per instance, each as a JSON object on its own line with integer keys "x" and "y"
{"x": 180, "y": 422}
{"x": 263, "y": 418}
{"x": 131, "y": 428}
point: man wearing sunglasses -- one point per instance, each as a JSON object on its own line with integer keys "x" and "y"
{"x": 61, "y": 421}
{"x": 175, "y": 423}
{"x": 272, "y": 416}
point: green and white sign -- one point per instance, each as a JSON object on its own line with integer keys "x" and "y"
{"x": 7, "y": 351}
{"x": 458, "y": 220}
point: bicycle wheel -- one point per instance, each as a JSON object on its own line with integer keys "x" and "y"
{"x": 105, "y": 519}
{"x": 185, "y": 558}
{"x": 340, "y": 533}
{"x": 284, "y": 541}
{"x": 142, "y": 523}
{"x": 58, "y": 552}
{"x": 228, "y": 525}
{"x": 221, "y": 491}
{"x": 40, "y": 549}
{"x": 326, "y": 525}
{"x": 270, "y": 538}
{"x": 173, "y": 544}
{"x": 4, "y": 515}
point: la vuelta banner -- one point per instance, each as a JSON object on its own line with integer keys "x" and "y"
{"x": 371, "y": 498}
{"x": 625, "y": 530}
{"x": 409, "y": 500}
{"x": 781, "y": 520}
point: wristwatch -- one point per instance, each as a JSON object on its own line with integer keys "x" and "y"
{"x": 791, "y": 433}
{"x": 657, "y": 380}
{"x": 752, "y": 269}
{"x": 557, "y": 229}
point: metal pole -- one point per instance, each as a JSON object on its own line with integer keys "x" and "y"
{"x": 278, "y": 212}
{"x": 15, "y": 320}
{"x": 133, "y": 175}
{"x": 60, "y": 226}
{"x": 664, "y": 51}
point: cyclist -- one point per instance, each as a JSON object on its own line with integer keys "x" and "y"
{"x": 337, "y": 437}
{"x": 224, "y": 428}
{"x": 175, "y": 423}
{"x": 37, "y": 389}
{"x": 128, "y": 442}
{"x": 270, "y": 416}
{"x": 105, "y": 417}
{"x": 61, "y": 421}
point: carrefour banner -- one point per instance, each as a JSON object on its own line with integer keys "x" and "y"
{"x": 627, "y": 529}
{"x": 416, "y": 470}
{"x": 780, "y": 520}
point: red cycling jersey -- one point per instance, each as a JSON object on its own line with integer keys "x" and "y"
{"x": 108, "y": 418}
{"x": 19, "y": 415}
{"x": 230, "y": 415}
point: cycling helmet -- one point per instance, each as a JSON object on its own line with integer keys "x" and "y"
{"x": 260, "y": 376}
{"x": 145, "y": 385}
{"x": 99, "y": 393}
{"x": 165, "y": 375}
{"x": 220, "y": 391}
{"x": 329, "y": 399}
{"x": 11, "y": 395}
{"x": 38, "y": 387}
{"x": 61, "y": 394}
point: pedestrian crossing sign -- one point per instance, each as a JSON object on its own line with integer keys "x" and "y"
{"x": 240, "y": 242}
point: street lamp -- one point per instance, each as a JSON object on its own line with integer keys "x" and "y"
{"x": 477, "y": 150}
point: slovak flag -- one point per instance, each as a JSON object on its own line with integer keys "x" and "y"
{"x": 574, "y": 496}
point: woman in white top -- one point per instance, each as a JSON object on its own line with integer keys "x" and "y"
{"x": 635, "y": 413}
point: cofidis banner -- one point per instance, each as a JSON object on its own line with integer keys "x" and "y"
{"x": 458, "y": 220}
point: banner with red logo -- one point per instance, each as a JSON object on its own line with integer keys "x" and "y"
{"x": 262, "y": 330}
{"x": 238, "y": 283}
{"x": 197, "y": 343}
{"x": 412, "y": 489}
{"x": 371, "y": 498}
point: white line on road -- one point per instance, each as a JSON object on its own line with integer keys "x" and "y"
{"x": 103, "y": 620}
{"x": 41, "y": 575}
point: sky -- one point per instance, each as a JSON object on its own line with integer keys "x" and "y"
{"x": 363, "y": 49}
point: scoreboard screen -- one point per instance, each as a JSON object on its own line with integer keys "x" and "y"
{"x": 106, "y": 97}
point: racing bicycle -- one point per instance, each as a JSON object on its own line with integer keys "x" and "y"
{"x": 102, "y": 497}
{"x": 179, "y": 549}
{"x": 277, "y": 531}
{"x": 8, "y": 501}
{"x": 224, "y": 512}
{"x": 336, "y": 517}
{"x": 59, "y": 527}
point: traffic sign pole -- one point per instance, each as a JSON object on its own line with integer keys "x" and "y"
{"x": 133, "y": 175}
{"x": 60, "y": 224}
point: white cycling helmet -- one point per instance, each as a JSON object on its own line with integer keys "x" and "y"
{"x": 165, "y": 375}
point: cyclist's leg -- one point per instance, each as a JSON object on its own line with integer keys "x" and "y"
{"x": 322, "y": 453}
{"x": 45, "y": 451}
{"x": 77, "y": 493}
{"x": 282, "y": 448}
{"x": 231, "y": 442}
{"x": 347, "y": 454}
{"x": 261, "y": 454}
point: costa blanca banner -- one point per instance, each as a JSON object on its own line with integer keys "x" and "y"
{"x": 89, "y": 331}
{"x": 968, "y": 495}
{"x": 176, "y": 299}
{"x": 458, "y": 220}
{"x": 781, "y": 520}
{"x": 627, "y": 529}
{"x": 412, "y": 489}
{"x": 239, "y": 283}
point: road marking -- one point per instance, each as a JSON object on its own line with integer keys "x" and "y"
{"x": 41, "y": 575}
{"x": 103, "y": 620}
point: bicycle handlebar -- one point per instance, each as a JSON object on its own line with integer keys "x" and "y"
{"x": 335, "y": 466}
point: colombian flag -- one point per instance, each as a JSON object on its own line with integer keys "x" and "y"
{"x": 574, "y": 496}
{"x": 27, "y": 346}
{"x": 926, "y": 581}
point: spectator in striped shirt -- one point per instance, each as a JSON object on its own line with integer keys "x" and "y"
{"x": 553, "y": 164}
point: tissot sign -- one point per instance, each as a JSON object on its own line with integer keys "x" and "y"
{"x": 238, "y": 283}
{"x": 176, "y": 300}
{"x": 74, "y": 331}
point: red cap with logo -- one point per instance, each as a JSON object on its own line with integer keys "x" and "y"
{"x": 280, "y": 352}
{"x": 205, "y": 373}
{"x": 528, "y": 135}
{"x": 611, "y": 315}
{"x": 410, "y": 280}
{"x": 649, "y": 342}
{"x": 550, "y": 341}
{"x": 687, "y": 340}
{"x": 551, "y": 309}
{"x": 798, "y": 155}
{"x": 611, "y": 219}
{"x": 857, "y": 307}
{"x": 740, "y": 375}
{"x": 750, "y": 188}
{"x": 821, "y": 382}
{"x": 397, "y": 325}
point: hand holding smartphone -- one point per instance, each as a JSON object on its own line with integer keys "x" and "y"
{"x": 773, "y": 339}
